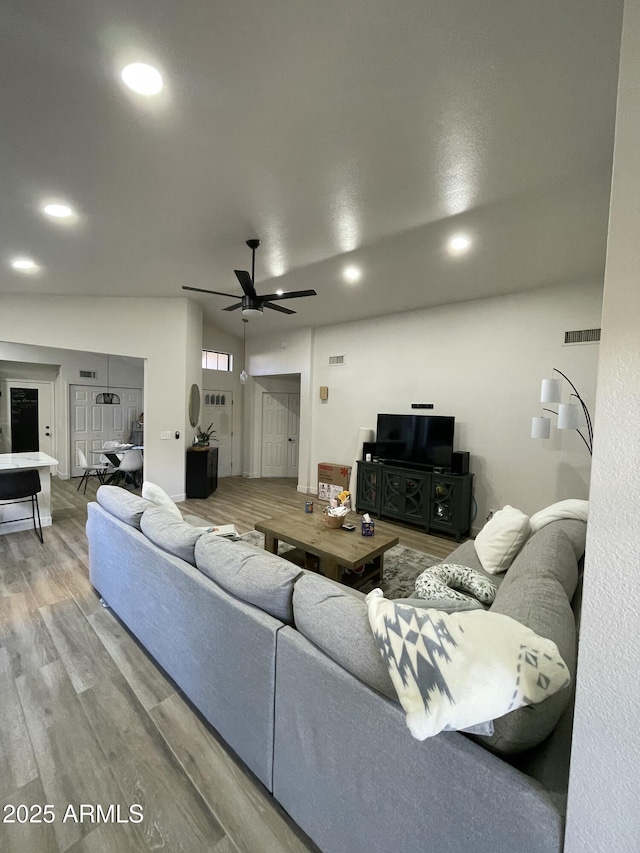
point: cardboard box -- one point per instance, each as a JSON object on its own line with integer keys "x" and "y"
{"x": 332, "y": 479}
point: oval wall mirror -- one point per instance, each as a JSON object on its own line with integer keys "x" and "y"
{"x": 194, "y": 405}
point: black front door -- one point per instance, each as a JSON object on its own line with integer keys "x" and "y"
{"x": 24, "y": 420}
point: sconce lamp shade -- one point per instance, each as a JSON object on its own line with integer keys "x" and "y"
{"x": 243, "y": 376}
{"x": 540, "y": 427}
{"x": 550, "y": 391}
{"x": 568, "y": 416}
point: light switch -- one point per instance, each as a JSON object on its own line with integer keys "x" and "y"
{"x": 166, "y": 434}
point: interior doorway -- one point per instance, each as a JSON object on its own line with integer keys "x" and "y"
{"x": 91, "y": 424}
{"x": 26, "y": 416}
{"x": 280, "y": 434}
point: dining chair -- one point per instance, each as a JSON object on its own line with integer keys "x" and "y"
{"x": 20, "y": 487}
{"x": 130, "y": 466}
{"x": 106, "y": 446}
{"x": 98, "y": 470}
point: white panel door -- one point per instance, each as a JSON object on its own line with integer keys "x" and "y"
{"x": 91, "y": 423}
{"x": 274, "y": 434}
{"x": 280, "y": 421}
{"x": 217, "y": 409}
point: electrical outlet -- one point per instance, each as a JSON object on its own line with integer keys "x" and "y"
{"x": 491, "y": 513}
{"x": 166, "y": 434}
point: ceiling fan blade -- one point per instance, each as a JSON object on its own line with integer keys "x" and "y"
{"x": 290, "y": 294}
{"x": 215, "y": 292}
{"x": 233, "y": 307}
{"x": 266, "y": 304}
{"x": 245, "y": 283}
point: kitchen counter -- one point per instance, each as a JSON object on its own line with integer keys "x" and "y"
{"x": 21, "y": 461}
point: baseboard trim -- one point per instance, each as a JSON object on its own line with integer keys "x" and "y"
{"x": 306, "y": 490}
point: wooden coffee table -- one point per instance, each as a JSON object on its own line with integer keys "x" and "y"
{"x": 336, "y": 550}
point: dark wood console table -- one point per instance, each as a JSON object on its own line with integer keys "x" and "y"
{"x": 441, "y": 503}
{"x": 202, "y": 472}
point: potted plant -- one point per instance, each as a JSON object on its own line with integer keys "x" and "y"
{"x": 204, "y": 435}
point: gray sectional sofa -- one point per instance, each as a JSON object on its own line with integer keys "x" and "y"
{"x": 284, "y": 666}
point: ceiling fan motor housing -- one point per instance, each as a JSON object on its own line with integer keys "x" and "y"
{"x": 251, "y": 307}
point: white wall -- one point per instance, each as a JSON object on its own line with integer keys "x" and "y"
{"x": 480, "y": 361}
{"x": 62, "y": 367}
{"x": 604, "y": 793}
{"x": 167, "y": 333}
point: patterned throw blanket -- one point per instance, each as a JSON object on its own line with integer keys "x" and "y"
{"x": 453, "y": 671}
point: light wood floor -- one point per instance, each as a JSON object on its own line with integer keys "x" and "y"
{"x": 86, "y": 717}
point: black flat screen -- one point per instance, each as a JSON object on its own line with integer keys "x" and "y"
{"x": 418, "y": 439}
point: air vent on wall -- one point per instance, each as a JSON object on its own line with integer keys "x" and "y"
{"x": 88, "y": 374}
{"x": 582, "y": 336}
{"x": 336, "y": 359}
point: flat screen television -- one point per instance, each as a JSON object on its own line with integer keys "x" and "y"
{"x": 421, "y": 440}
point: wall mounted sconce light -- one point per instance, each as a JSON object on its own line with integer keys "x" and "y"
{"x": 568, "y": 413}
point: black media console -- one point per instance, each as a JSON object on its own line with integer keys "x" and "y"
{"x": 439, "y": 502}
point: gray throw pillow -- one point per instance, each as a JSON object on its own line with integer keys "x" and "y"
{"x": 251, "y": 574}
{"x": 337, "y": 622}
{"x": 170, "y": 533}
{"x": 123, "y": 504}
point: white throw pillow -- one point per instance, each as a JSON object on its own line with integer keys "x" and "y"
{"x": 501, "y": 538}
{"x": 159, "y": 497}
{"x": 455, "y": 670}
{"x": 571, "y": 508}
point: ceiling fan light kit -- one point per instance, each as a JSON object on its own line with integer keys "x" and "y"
{"x": 251, "y": 303}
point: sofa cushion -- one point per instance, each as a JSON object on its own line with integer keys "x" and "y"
{"x": 159, "y": 497}
{"x": 170, "y": 533}
{"x": 536, "y": 592}
{"x": 575, "y": 530}
{"x": 501, "y": 538}
{"x": 334, "y": 618}
{"x": 122, "y": 504}
{"x": 251, "y": 574}
{"x": 457, "y": 670}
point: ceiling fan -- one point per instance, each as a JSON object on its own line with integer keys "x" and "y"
{"x": 251, "y": 303}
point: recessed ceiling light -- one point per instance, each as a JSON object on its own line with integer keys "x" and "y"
{"x": 459, "y": 244}
{"x": 279, "y": 292}
{"x": 352, "y": 274}
{"x": 58, "y": 210}
{"x": 24, "y": 264}
{"x": 143, "y": 79}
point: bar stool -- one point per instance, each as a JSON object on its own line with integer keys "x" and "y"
{"x": 20, "y": 487}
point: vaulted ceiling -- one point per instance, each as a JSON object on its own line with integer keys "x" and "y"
{"x": 361, "y": 133}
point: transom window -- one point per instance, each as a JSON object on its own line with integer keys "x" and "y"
{"x": 212, "y": 360}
